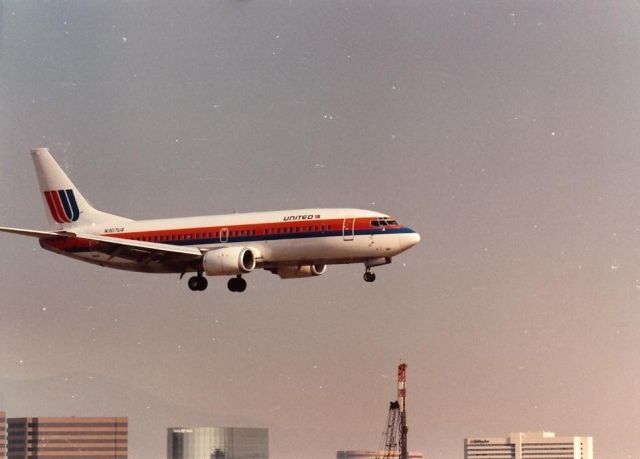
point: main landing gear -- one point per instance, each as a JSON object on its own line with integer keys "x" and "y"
{"x": 237, "y": 284}
{"x": 369, "y": 276}
{"x": 198, "y": 283}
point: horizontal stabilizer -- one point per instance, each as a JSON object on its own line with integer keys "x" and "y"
{"x": 32, "y": 233}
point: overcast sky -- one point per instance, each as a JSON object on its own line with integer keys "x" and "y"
{"x": 507, "y": 133}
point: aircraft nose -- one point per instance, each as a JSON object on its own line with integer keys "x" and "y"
{"x": 410, "y": 239}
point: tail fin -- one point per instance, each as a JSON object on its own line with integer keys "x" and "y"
{"x": 66, "y": 207}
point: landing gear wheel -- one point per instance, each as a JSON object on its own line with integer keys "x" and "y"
{"x": 197, "y": 283}
{"x": 202, "y": 283}
{"x": 369, "y": 276}
{"x": 237, "y": 284}
{"x": 193, "y": 283}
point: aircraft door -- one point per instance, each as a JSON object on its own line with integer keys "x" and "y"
{"x": 224, "y": 234}
{"x": 348, "y": 226}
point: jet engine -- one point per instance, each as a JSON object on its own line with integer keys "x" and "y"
{"x": 228, "y": 261}
{"x": 295, "y": 272}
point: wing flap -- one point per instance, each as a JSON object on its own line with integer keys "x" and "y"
{"x": 143, "y": 246}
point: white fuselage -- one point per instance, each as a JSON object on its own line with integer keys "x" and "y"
{"x": 278, "y": 238}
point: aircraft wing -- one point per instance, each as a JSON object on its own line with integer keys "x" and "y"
{"x": 142, "y": 252}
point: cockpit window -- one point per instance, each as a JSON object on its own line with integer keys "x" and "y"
{"x": 384, "y": 221}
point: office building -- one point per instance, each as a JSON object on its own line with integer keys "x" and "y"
{"x": 217, "y": 443}
{"x": 3, "y": 435}
{"x": 68, "y": 438}
{"x": 371, "y": 454}
{"x": 529, "y": 445}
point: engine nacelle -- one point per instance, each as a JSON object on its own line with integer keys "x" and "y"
{"x": 296, "y": 272}
{"x": 228, "y": 261}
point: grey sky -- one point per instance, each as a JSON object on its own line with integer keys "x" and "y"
{"x": 506, "y": 133}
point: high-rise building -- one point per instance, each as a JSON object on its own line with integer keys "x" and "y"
{"x": 372, "y": 454}
{"x": 217, "y": 443}
{"x": 3, "y": 435}
{"x": 68, "y": 438}
{"x": 529, "y": 445}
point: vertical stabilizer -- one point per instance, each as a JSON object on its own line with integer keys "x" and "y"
{"x": 64, "y": 205}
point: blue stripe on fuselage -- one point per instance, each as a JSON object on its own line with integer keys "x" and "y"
{"x": 274, "y": 237}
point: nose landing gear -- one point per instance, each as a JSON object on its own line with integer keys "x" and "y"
{"x": 198, "y": 283}
{"x": 237, "y": 284}
{"x": 369, "y": 276}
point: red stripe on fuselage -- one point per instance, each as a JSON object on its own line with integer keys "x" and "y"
{"x": 67, "y": 244}
{"x": 246, "y": 230}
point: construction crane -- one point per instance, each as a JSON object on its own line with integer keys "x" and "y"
{"x": 395, "y": 435}
{"x": 402, "y": 398}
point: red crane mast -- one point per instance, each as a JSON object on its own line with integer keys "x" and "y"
{"x": 402, "y": 398}
{"x": 395, "y": 436}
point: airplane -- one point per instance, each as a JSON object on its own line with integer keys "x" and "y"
{"x": 290, "y": 243}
